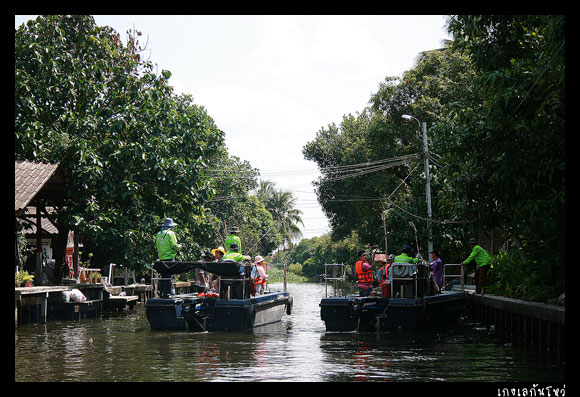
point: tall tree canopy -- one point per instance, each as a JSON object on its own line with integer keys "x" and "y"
{"x": 493, "y": 101}
{"x": 373, "y": 162}
{"x": 507, "y": 156}
{"x": 135, "y": 152}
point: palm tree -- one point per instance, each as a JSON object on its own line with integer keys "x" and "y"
{"x": 281, "y": 205}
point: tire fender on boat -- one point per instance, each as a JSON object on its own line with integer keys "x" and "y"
{"x": 251, "y": 316}
{"x": 289, "y": 305}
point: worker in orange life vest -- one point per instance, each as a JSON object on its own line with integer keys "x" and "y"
{"x": 259, "y": 276}
{"x": 364, "y": 274}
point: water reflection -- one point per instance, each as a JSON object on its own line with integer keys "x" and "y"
{"x": 296, "y": 349}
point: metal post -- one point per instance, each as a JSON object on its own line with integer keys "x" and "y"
{"x": 385, "y": 230}
{"x": 428, "y": 188}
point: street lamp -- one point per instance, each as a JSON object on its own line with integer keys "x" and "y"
{"x": 428, "y": 180}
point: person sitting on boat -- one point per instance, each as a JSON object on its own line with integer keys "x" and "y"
{"x": 364, "y": 274}
{"x": 483, "y": 262}
{"x": 259, "y": 276}
{"x": 384, "y": 276}
{"x": 234, "y": 256}
{"x": 437, "y": 269}
{"x": 403, "y": 271}
{"x": 201, "y": 278}
{"x": 218, "y": 253}
{"x": 233, "y": 239}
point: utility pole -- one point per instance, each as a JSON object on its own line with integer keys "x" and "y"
{"x": 423, "y": 126}
{"x": 427, "y": 190}
{"x": 384, "y": 216}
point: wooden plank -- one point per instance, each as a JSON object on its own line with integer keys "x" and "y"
{"x": 122, "y": 298}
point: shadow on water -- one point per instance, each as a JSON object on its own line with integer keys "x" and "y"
{"x": 298, "y": 348}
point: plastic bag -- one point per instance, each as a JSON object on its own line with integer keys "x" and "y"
{"x": 65, "y": 296}
{"x": 77, "y": 296}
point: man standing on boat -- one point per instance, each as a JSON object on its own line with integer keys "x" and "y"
{"x": 364, "y": 274}
{"x": 166, "y": 243}
{"x": 483, "y": 263}
{"x": 233, "y": 238}
{"x": 259, "y": 275}
{"x": 437, "y": 269}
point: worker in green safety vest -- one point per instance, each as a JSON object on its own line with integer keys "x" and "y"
{"x": 235, "y": 256}
{"x": 166, "y": 241}
{"x": 483, "y": 263}
{"x": 233, "y": 238}
{"x": 403, "y": 271}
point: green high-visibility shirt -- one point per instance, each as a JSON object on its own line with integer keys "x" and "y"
{"x": 166, "y": 243}
{"x": 404, "y": 258}
{"x": 480, "y": 255}
{"x": 232, "y": 238}
{"x": 234, "y": 256}
{"x": 408, "y": 271}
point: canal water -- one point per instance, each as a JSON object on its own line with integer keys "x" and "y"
{"x": 298, "y": 349}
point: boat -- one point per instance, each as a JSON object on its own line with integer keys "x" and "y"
{"x": 414, "y": 306}
{"x": 236, "y": 307}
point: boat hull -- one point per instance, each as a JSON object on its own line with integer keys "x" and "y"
{"x": 192, "y": 313}
{"x": 353, "y": 313}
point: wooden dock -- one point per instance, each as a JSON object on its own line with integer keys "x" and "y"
{"x": 39, "y": 304}
{"x": 114, "y": 302}
{"x": 43, "y": 303}
{"x": 537, "y": 325}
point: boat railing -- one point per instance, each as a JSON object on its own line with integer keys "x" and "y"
{"x": 415, "y": 275}
{"x": 283, "y": 275}
{"x": 460, "y": 275}
{"x": 335, "y": 272}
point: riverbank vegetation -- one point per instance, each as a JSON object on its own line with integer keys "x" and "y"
{"x": 134, "y": 153}
{"x": 493, "y": 102}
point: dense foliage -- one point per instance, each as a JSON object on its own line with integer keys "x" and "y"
{"x": 133, "y": 151}
{"x": 493, "y": 101}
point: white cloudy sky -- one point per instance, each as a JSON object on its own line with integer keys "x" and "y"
{"x": 270, "y": 82}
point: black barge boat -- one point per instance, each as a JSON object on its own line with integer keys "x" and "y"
{"x": 234, "y": 308}
{"x": 421, "y": 309}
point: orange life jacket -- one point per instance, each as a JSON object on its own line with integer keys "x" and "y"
{"x": 362, "y": 276}
{"x": 387, "y": 279}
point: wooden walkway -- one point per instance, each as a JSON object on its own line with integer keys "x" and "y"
{"x": 539, "y": 325}
{"x": 41, "y": 303}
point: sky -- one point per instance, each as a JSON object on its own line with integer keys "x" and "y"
{"x": 271, "y": 82}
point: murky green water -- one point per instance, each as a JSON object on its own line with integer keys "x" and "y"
{"x": 298, "y": 348}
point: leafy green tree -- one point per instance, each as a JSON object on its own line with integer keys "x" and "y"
{"x": 315, "y": 252}
{"x": 506, "y": 156}
{"x": 134, "y": 152}
{"x": 373, "y": 162}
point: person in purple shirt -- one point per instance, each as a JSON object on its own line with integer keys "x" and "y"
{"x": 437, "y": 268}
